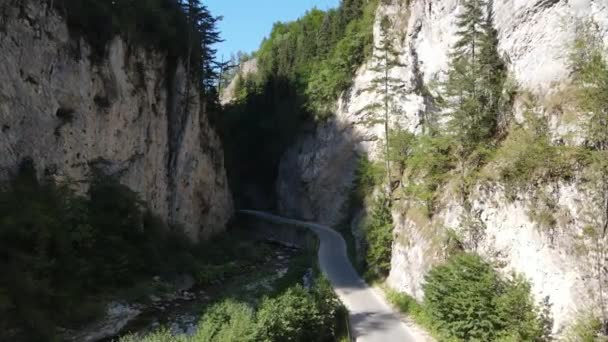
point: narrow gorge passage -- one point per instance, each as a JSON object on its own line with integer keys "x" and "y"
{"x": 371, "y": 319}
{"x": 427, "y": 170}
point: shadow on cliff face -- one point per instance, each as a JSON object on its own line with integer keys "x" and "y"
{"x": 279, "y": 158}
{"x": 256, "y": 130}
{"x": 316, "y": 174}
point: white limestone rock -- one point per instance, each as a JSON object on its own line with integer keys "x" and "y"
{"x": 534, "y": 37}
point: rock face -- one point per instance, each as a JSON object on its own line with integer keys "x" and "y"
{"x": 246, "y": 68}
{"x": 534, "y": 38}
{"x": 124, "y": 114}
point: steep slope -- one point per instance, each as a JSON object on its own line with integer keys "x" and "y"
{"x": 316, "y": 175}
{"x": 125, "y": 115}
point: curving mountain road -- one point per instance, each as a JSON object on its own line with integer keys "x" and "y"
{"x": 372, "y": 320}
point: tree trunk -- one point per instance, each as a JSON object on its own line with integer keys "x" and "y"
{"x": 386, "y": 125}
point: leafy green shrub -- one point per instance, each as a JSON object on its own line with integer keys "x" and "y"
{"x": 297, "y": 314}
{"x": 377, "y": 225}
{"x": 292, "y": 315}
{"x": 471, "y": 301}
{"x": 586, "y": 328}
{"x": 404, "y": 302}
{"x": 428, "y": 166}
{"x": 163, "y": 335}
{"x": 528, "y": 157}
{"x": 415, "y": 310}
{"x": 368, "y": 175}
{"x": 401, "y": 146}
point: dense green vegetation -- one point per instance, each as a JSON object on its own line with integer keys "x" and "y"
{"x": 319, "y": 53}
{"x": 297, "y": 314}
{"x": 474, "y": 303}
{"x": 467, "y": 300}
{"x": 378, "y": 230}
{"x": 181, "y": 28}
{"x": 527, "y": 157}
{"x": 303, "y": 66}
{"x": 373, "y": 260}
{"x": 59, "y": 248}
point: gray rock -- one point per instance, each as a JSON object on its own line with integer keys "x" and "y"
{"x": 117, "y": 316}
{"x": 124, "y": 115}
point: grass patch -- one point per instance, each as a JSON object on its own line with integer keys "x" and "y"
{"x": 528, "y": 157}
{"x": 586, "y": 328}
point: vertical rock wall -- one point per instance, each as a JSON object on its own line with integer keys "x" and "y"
{"x": 124, "y": 114}
{"x": 534, "y": 39}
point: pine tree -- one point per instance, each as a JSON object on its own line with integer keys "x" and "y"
{"x": 349, "y": 10}
{"x": 224, "y": 70}
{"x": 386, "y": 58}
{"x": 474, "y": 86}
{"x": 591, "y": 76}
{"x": 202, "y": 35}
{"x": 475, "y": 77}
{"x": 326, "y": 36}
{"x": 209, "y": 35}
{"x": 493, "y": 74}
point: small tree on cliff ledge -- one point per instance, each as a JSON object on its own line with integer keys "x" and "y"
{"x": 473, "y": 90}
{"x": 386, "y": 58}
{"x": 475, "y": 79}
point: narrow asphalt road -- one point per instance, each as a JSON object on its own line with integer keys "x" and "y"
{"x": 371, "y": 318}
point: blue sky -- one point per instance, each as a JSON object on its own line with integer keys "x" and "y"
{"x": 247, "y": 22}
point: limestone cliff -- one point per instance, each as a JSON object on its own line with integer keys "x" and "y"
{"x": 245, "y": 68}
{"x": 534, "y": 38}
{"x": 125, "y": 115}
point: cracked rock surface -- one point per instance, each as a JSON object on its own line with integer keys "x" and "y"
{"x": 124, "y": 115}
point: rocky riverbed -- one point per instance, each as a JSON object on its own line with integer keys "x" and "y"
{"x": 178, "y": 304}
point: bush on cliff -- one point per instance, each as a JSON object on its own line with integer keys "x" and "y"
{"x": 470, "y": 301}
